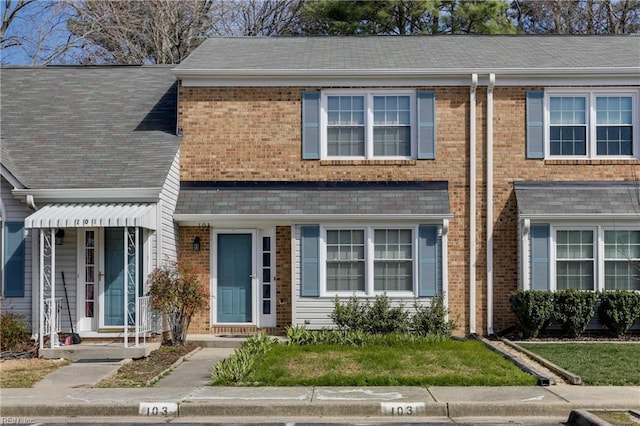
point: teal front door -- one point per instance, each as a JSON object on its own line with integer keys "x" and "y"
{"x": 234, "y": 262}
{"x": 113, "y": 277}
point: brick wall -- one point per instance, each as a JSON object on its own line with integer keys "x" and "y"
{"x": 512, "y": 165}
{"x": 254, "y": 134}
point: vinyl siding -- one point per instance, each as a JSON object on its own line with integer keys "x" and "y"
{"x": 313, "y": 312}
{"x": 169, "y": 197}
{"x": 15, "y": 212}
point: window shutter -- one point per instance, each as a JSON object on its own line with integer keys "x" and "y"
{"x": 535, "y": 124}
{"x": 540, "y": 257}
{"x": 429, "y": 261}
{"x": 311, "y": 126}
{"x": 426, "y": 125}
{"x": 14, "y": 258}
{"x": 310, "y": 261}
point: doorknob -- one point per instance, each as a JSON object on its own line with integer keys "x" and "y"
{"x": 252, "y": 276}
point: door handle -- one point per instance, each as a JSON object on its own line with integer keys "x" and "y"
{"x": 252, "y": 276}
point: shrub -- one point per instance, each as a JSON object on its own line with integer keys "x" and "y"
{"x": 432, "y": 319}
{"x": 573, "y": 309}
{"x": 349, "y": 315}
{"x": 14, "y": 334}
{"x": 236, "y": 368}
{"x": 377, "y": 318}
{"x": 177, "y": 291}
{"x": 533, "y": 309}
{"x": 382, "y": 318}
{"x": 618, "y": 310}
{"x": 299, "y": 335}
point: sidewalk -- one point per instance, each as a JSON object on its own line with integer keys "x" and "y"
{"x": 184, "y": 393}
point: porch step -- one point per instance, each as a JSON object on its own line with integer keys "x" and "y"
{"x": 95, "y": 351}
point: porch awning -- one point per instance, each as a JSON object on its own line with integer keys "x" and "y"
{"x": 312, "y": 201}
{"x": 93, "y": 215}
{"x": 574, "y": 200}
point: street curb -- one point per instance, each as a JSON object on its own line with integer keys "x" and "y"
{"x": 572, "y": 378}
{"x": 180, "y": 360}
{"x": 585, "y": 418}
{"x": 542, "y": 379}
{"x": 330, "y": 409}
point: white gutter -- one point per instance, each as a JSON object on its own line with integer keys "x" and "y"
{"x": 31, "y": 203}
{"x": 472, "y": 204}
{"x": 492, "y": 82}
{"x": 382, "y": 72}
{"x": 90, "y": 194}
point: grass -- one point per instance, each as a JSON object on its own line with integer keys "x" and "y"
{"x": 24, "y": 373}
{"x": 617, "y": 418}
{"x": 598, "y": 364}
{"x": 448, "y": 363}
{"x": 137, "y": 373}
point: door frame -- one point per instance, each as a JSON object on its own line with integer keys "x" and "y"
{"x": 214, "y": 277}
{"x": 82, "y": 320}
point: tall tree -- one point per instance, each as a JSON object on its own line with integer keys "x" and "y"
{"x": 401, "y": 17}
{"x": 577, "y": 16}
{"x": 35, "y": 32}
{"x": 258, "y": 17}
{"x": 136, "y": 32}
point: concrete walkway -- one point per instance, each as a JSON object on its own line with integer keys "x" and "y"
{"x": 196, "y": 370}
{"x": 185, "y": 394}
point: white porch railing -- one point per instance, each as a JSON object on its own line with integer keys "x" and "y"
{"x": 57, "y": 308}
{"x": 144, "y": 319}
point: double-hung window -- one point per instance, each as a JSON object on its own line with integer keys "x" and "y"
{"x": 596, "y": 258}
{"x": 368, "y": 124}
{"x": 369, "y": 260}
{"x": 621, "y": 260}
{"x": 574, "y": 259}
{"x": 592, "y": 124}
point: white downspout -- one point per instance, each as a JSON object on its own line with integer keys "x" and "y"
{"x": 492, "y": 82}
{"x": 472, "y": 204}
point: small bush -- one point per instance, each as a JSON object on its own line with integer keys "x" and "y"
{"x": 377, "y": 318}
{"x": 14, "y": 334}
{"x": 533, "y": 309}
{"x": 618, "y": 310}
{"x": 299, "y": 335}
{"x": 431, "y": 319}
{"x": 349, "y": 315}
{"x": 177, "y": 290}
{"x": 236, "y": 368}
{"x": 573, "y": 309}
{"x": 382, "y": 318}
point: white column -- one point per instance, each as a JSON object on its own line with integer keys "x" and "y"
{"x": 125, "y": 286}
{"x": 53, "y": 307}
{"x": 137, "y": 283}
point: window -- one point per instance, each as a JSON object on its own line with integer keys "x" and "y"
{"x": 369, "y": 260}
{"x": 595, "y": 257}
{"x": 574, "y": 259}
{"x": 393, "y": 260}
{"x": 595, "y": 124}
{"x": 378, "y": 124}
{"x": 622, "y": 260}
{"x": 345, "y": 260}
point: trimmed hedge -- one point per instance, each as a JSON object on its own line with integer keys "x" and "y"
{"x": 574, "y": 309}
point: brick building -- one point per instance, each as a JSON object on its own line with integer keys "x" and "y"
{"x": 370, "y": 165}
{"x": 467, "y": 166}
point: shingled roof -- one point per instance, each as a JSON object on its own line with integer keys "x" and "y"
{"x": 89, "y": 127}
{"x": 445, "y": 53}
{"x": 578, "y": 199}
{"x": 315, "y": 198}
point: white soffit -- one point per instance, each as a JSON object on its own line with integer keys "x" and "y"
{"x": 93, "y": 215}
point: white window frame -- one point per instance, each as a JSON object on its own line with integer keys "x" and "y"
{"x": 603, "y": 252}
{"x": 590, "y": 95}
{"x": 554, "y": 255}
{"x": 368, "y": 122}
{"x": 369, "y": 254}
{"x": 598, "y": 229}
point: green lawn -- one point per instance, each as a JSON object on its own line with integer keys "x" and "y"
{"x": 452, "y": 363}
{"x": 596, "y": 363}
